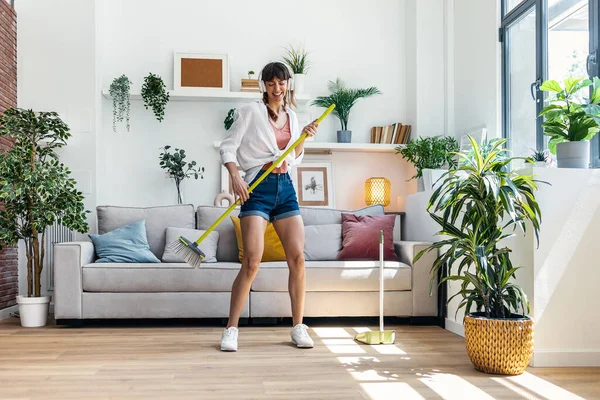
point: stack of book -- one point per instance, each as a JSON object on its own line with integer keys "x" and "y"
{"x": 391, "y": 134}
{"x": 250, "y": 85}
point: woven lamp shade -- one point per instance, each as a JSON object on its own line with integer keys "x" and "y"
{"x": 378, "y": 191}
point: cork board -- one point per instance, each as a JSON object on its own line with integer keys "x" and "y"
{"x": 202, "y": 72}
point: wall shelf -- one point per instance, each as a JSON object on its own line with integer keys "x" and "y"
{"x": 216, "y": 96}
{"x": 325, "y": 147}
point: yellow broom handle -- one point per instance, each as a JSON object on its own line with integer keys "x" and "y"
{"x": 263, "y": 176}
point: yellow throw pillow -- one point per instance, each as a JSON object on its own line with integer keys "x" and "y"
{"x": 273, "y": 250}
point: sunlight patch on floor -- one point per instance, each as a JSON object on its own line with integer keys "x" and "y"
{"x": 542, "y": 387}
{"x": 452, "y": 387}
{"x": 332, "y": 333}
{"x": 361, "y": 369}
{"x": 390, "y": 390}
{"x": 343, "y": 346}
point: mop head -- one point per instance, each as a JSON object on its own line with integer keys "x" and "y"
{"x": 376, "y": 337}
{"x": 188, "y": 251}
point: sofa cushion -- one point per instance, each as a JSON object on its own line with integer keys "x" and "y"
{"x": 163, "y": 277}
{"x": 337, "y": 276}
{"x": 158, "y": 219}
{"x": 328, "y": 216}
{"x": 273, "y": 249}
{"x": 208, "y": 244}
{"x": 127, "y": 244}
{"x": 361, "y": 237}
{"x": 322, "y": 242}
{"x": 227, "y": 249}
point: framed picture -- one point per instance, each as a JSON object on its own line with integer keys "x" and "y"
{"x": 314, "y": 184}
{"x": 201, "y": 73}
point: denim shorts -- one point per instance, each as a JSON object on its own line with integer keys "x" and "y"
{"x": 274, "y": 198}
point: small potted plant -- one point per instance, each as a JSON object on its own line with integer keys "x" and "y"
{"x": 431, "y": 156}
{"x": 539, "y": 158}
{"x": 155, "y": 95}
{"x": 251, "y": 74}
{"x": 571, "y": 120}
{"x": 297, "y": 60}
{"x": 36, "y": 191}
{"x": 178, "y": 169}
{"x": 344, "y": 99}
{"x": 119, "y": 91}
{"x": 477, "y": 206}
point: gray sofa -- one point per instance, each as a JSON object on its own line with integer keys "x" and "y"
{"x": 87, "y": 290}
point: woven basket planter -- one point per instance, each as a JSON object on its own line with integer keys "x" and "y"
{"x": 499, "y": 346}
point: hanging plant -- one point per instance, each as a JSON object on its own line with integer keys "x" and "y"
{"x": 119, "y": 91}
{"x": 229, "y": 119}
{"x": 155, "y": 95}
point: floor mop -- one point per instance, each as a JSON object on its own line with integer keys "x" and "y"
{"x": 188, "y": 250}
{"x": 381, "y": 336}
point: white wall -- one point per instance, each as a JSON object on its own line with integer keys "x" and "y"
{"x": 476, "y": 65}
{"x": 56, "y": 72}
{"x": 363, "y": 44}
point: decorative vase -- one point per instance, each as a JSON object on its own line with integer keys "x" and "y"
{"x": 344, "y": 136}
{"x": 573, "y": 154}
{"x": 499, "y": 346}
{"x": 33, "y": 311}
{"x": 420, "y": 184}
{"x": 299, "y": 83}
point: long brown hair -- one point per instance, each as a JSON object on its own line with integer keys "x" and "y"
{"x": 277, "y": 70}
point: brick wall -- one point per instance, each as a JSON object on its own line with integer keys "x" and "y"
{"x": 8, "y": 98}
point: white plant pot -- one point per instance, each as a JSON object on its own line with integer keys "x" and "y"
{"x": 573, "y": 154}
{"x": 299, "y": 83}
{"x": 431, "y": 176}
{"x": 33, "y": 311}
{"x": 420, "y": 185}
{"x": 540, "y": 164}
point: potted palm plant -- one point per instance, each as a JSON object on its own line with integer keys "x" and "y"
{"x": 36, "y": 192}
{"x": 476, "y": 206}
{"x": 571, "y": 120}
{"x": 344, "y": 99}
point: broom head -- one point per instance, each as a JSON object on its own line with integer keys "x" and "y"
{"x": 376, "y": 337}
{"x": 188, "y": 251}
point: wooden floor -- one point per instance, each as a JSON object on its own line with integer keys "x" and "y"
{"x": 183, "y": 362}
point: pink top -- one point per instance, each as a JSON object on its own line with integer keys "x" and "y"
{"x": 282, "y": 136}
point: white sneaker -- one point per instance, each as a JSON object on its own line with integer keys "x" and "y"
{"x": 229, "y": 339}
{"x": 300, "y": 336}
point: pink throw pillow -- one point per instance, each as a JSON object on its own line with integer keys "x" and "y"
{"x": 360, "y": 237}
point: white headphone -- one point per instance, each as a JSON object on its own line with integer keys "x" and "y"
{"x": 290, "y": 82}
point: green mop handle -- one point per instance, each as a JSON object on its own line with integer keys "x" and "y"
{"x": 263, "y": 176}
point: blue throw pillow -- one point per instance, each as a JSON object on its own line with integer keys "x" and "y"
{"x": 127, "y": 244}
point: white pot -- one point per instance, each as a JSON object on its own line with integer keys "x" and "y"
{"x": 540, "y": 164}
{"x": 431, "y": 176}
{"x": 299, "y": 83}
{"x": 573, "y": 154}
{"x": 33, "y": 311}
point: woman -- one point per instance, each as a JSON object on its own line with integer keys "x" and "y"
{"x": 260, "y": 133}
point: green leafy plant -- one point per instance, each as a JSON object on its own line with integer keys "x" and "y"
{"x": 431, "y": 152}
{"x": 476, "y": 207}
{"x": 36, "y": 189}
{"x": 250, "y": 73}
{"x": 179, "y": 169}
{"x": 568, "y": 118}
{"x": 119, "y": 91}
{"x": 229, "y": 119}
{"x": 155, "y": 95}
{"x": 297, "y": 60}
{"x": 344, "y": 99}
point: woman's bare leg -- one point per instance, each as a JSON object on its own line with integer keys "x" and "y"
{"x": 253, "y": 238}
{"x": 291, "y": 234}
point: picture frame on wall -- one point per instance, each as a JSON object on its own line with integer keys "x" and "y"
{"x": 313, "y": 181}
{"x": 201, "y": 73}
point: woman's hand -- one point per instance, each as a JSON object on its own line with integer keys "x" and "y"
{"x": 311, "y": 129}
{"x": 240, "y": 188}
